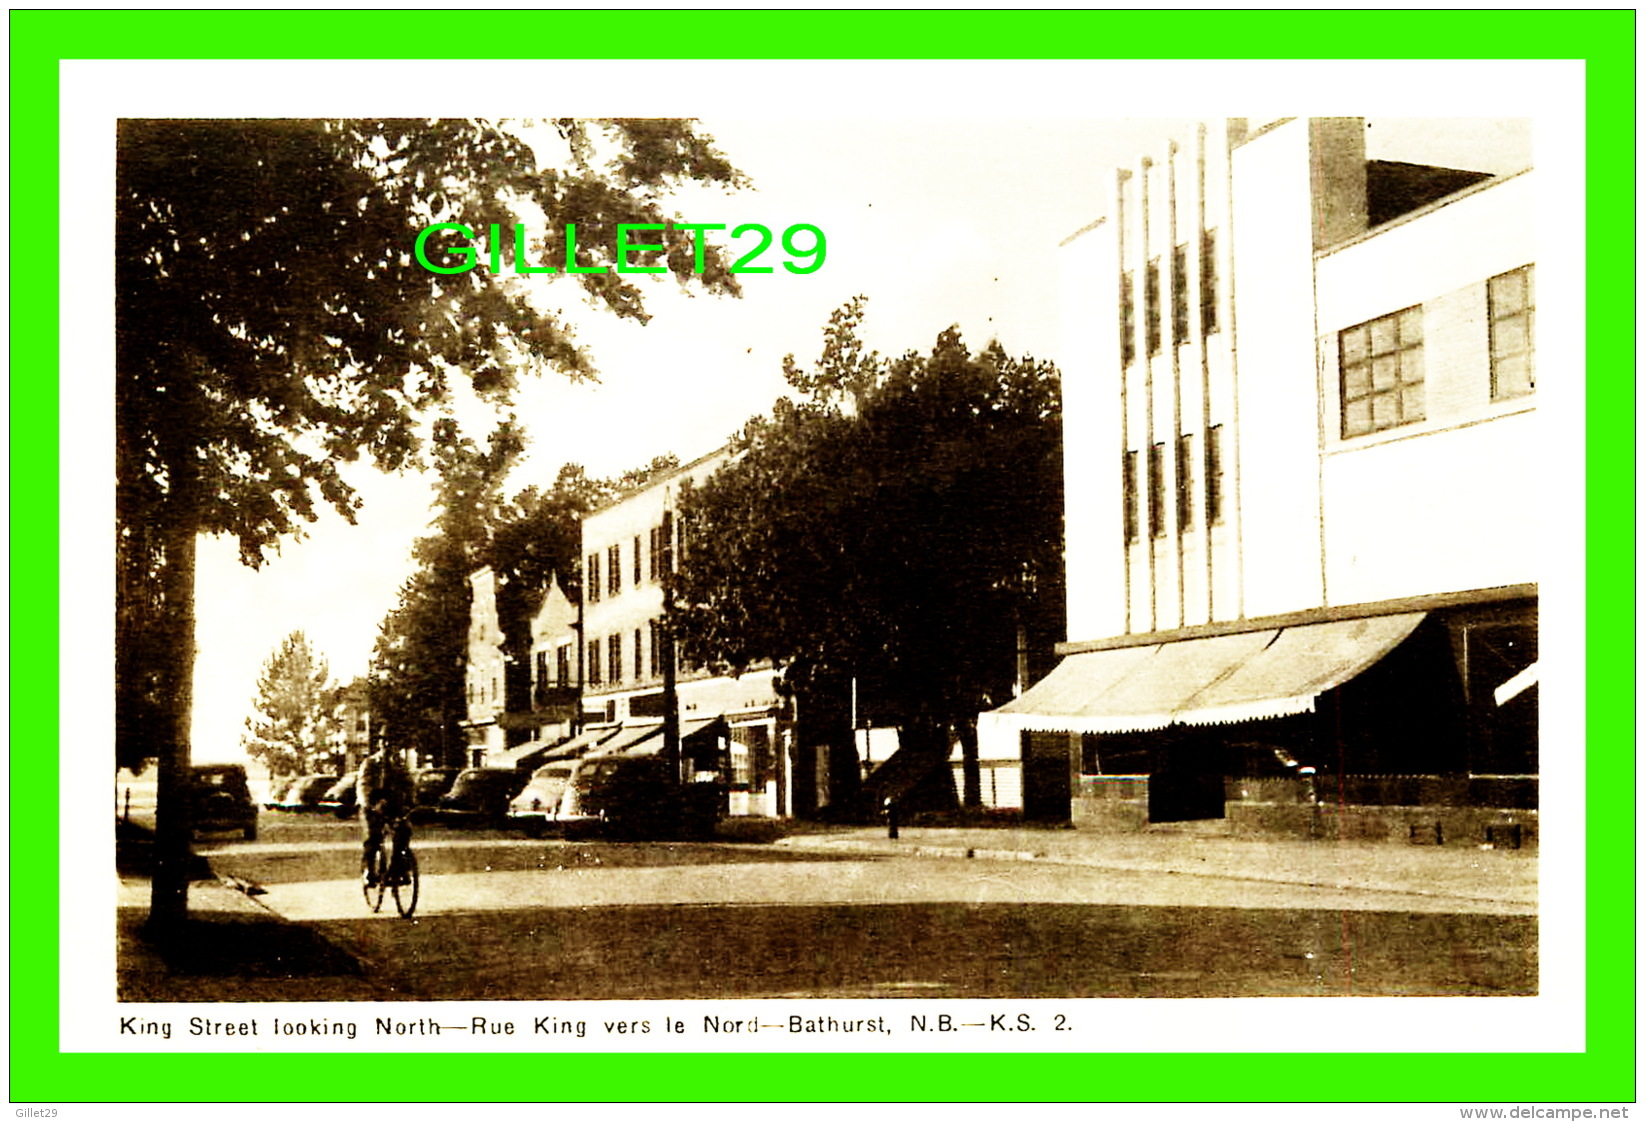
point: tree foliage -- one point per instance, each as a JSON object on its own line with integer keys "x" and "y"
{"x": 272, "y": 323}
{"x": 294, "y": 728}
{"x": 896, "y": 525}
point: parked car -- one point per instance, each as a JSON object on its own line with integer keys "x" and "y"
{"x": 637, "y": 797}
{"x": 536, "y": 808}
{"x": 306, "y": 791}
{"x": 340, "y": 799}
{"x": 428, "y": 786}
{"x": 278, "y": 786}
{"x": 480, "y": 796}
{"x": 220, "y": 799}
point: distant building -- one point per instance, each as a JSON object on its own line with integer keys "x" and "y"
{"x": 1302, "y": 455}
{"x": 486, "y": 671}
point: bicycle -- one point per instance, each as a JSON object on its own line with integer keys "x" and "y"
{"x": 391, "y": 866}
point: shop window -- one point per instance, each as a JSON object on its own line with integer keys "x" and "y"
{"x": 1213, "y": 476}
{"x": 1179, "y": 295}
{"x": 1128, "y": 473}
{"x": 1128, "y": 320}
{"x": 1382, "y": 373}
{"x": 1151, "y": 308}
{"x": 1512, "y": 298}
{"x": 1208, "y": 282}
{"x": 1156, "y": 490}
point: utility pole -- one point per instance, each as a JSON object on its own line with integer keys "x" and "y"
{"x": 671, "y": 693}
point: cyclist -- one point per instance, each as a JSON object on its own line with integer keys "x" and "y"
{"x": 384, "y": 794}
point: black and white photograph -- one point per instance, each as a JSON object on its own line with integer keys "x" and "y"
{"x": 1052, "y": 571}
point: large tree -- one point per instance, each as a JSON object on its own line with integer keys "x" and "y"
{"x": 900, "y": 525}
{"x": 295, "y": 726}
{"x": 272, "y": 322}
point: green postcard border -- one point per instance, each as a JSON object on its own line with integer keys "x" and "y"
{"x": 1603, "y": 39}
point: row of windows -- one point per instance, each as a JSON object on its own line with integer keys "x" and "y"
{"x": 1187, "y": 486}
{"x": 611, "y": 565}
{"x": 1180, "y": 304}
{"x": 562, "y": 667}
{"x": 607, "y": 666}
{"x": 658, "y": 552}
{"x": 1383, "y": 380}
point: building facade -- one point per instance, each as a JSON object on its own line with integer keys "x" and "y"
{"x": 1302, "y": 451}
{"x": 486, "y": 673}
{"x": 731, "y": 724}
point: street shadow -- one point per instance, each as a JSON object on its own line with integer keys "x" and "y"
{"x": 942, "y": 950}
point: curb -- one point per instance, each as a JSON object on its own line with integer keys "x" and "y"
{"x": 887, "y": 848}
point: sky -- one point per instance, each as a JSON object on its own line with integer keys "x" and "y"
{"x": 943, "y": 188}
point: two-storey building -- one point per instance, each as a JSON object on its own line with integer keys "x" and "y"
{"x": 1302, "y": 455}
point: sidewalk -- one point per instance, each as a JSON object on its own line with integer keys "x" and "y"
{"x": 233, "y": 949}
{"x": 1503, "y": 876}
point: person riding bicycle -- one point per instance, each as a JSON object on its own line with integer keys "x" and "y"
{"x": 384, "y": 793}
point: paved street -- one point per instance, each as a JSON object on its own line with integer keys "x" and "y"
{"x": 505, "y": 917}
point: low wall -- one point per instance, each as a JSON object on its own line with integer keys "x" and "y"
{"x": 1285, "y": 807}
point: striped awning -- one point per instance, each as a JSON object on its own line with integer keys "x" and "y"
{"x": 1218, "y": 679}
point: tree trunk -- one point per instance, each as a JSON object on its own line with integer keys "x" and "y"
{"x": 168, "y": 903}
{"x": 971, "y": 796}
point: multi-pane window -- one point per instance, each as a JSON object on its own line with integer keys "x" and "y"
{"x": 614, "y": 656}
{"x": 595, "y": 675}
{"x": 1128, "y": 477}
{"x": 1213, "y": 475}
{"x": 1208, "y": 282}
{"x": 614, "y": 569}
{"x": 656, "y": 648}
{"x": 1382, "y": 378}
{"x": 1179, "y": 295}
{"x": 1512, "y": 297}
{"x": 1128, "y": 320}
{"x": 1151, "y": 309}
{"x": 591, "y": 578}
{"x": 1185, "y": 482}
{"x": 562, "y": 665}
{"x": 639, "y": 573}
{"x": 1156, "y": 490}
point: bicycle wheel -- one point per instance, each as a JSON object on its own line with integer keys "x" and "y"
{"x": 373, "y": 886}
{"x": 406, "y": 883}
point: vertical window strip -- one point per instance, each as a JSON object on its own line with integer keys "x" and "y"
{"x": 1213, "y": 476}
{"x": 1151, "y": 308}
{"x": 614, "y": 569}
{"x": 1208, "y": 282}
{"x": 639, "y": 573}
{"x": 1185, "y": 482}
{"x": 1179, "y": 295}
{"x": 1128, "y": 483}
{"x": 1156, "y": 490}
{"x": 1128, "y": 320}
{"x": 591, "y": 578}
